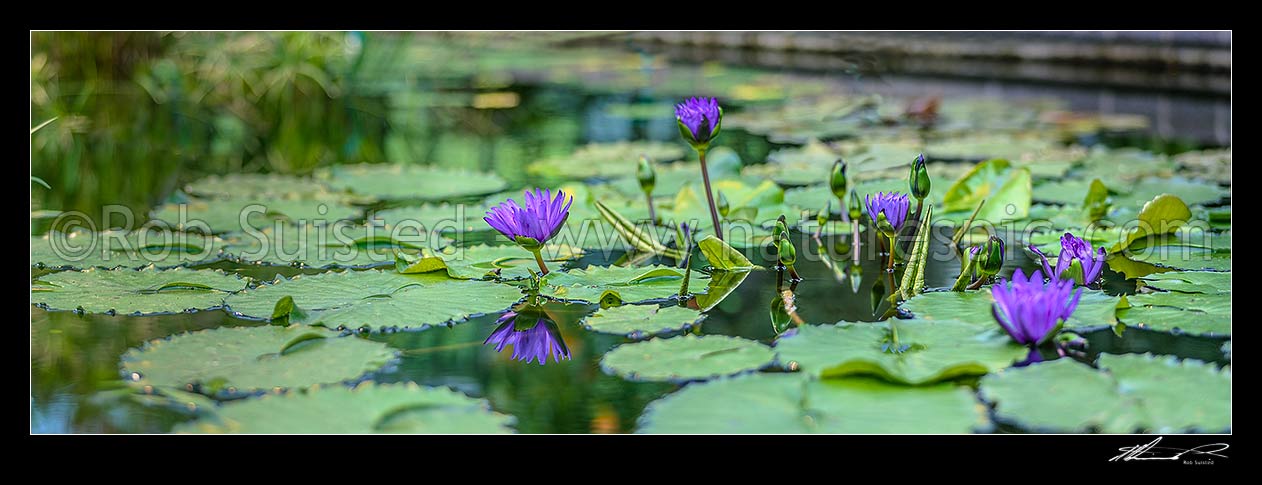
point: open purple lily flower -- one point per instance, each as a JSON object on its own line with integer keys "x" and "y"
{"x": 534, "y": 224}
{"x": 894, "y": 205}
{"x": 1073, "y": 248}
{"x": 1030, "y": 310}
{"x": 700, "y": 120}
{"x": 532, "y": 336}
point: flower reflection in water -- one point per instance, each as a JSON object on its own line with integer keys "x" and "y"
{"x": 532, "y": 333}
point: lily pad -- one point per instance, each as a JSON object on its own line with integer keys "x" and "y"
{"x": 136, "y": 292}
{"x": 628, "y": 284}
{"x": 224, "y": 215}
{"x": 687, "y": 358}
{"x": 934, "y": 350}
{"x": 984, "y": 147}
{"x": 640, "y": 321}
{"x": 368, "y": 408}
{"x": 135, "y": 249}
{"x": 1190, "y": 282}
{"x": 605, "y": 160}
{"x": 339, "y": 245}
{"x": 411, "y": 182}
{"x": 505, "y": 261}
{"x": 1133, "y": 393}
{"x": 247, "y": 185}
{"x": 249, "y": 359}
{"x": 1006, "y": 190}
{"x": 781, "y": 403}
{"x": 375, "y": 298}
{"x": 450, "y": 220}
{"x": 1133, "y": 193}
{"x": 1095, "y": 308}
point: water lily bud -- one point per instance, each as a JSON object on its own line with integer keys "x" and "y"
{"x": 781, "y": 230}
{"x": 990, "y": 260}
{"x": 646, "y": 175}
{"x": 855, "y": 207}
{"x": 724, "y": 206}
{"x": 822, "y": 217}
{"x": 785, "y": 250}
{"x": 918, "y": 178}
{"x": 699, "y": 120}
{"x": 837, "y": 179}
{"x": 780, "y": 319}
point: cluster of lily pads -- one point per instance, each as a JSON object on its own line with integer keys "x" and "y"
{"x": 962, "y": 361}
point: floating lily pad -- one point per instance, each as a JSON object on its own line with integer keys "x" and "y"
{"x": 1117, "y": 166}
{"x": 505, "y": 261}
{"x": 248, "y": 185}
{"x": 249, "y": 359}
{"x": 781, "y": 403}
{"x": 1211, "y": 164}
{"x": 1006, "y": 191}
{"x": 1183, "y": 258}
{"x": 376, "y": 298}
{"x": 1192, "y": 313}
{"x": 639, "y": 321}
{"x": 687, "y": 358}
{"x": 1095, "y": 308}
{"x": 605, "y": 160}
{"x": 368, "y": 408}
{"x": 411, "y": 182}
{"x": 628, "y": 284}
{"x": 1132, "y": 393}
{"x": 935, "y": 350}
{"x": 134, "y": 249}
{"x": 224, "y": 215}
{"x": 340, "y": 245}
{"x": 446, "y": 219}
{"x": 1132, "y": 193}
{"x": 985, "y": 147}
{"x": 1190, "y": 282}
{"x": 146, "y": 291}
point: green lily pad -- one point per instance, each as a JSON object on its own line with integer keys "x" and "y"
{"x": 1210, "y": 164}
{"x": 640, "y": 321}
{"x": 1182, "y": 258}
{"x": 687, "y": 358}
{"x": 411, "y": 182}
{"x": 1190, "y": 282}
{"x": 781, "y": 403}
{"x": 505, "y": 261}
{"x": 136, "y": 292}
{"x": 224, "y": 215}
{"x": 135, "y": 249}
{"x": 450, "y": 220}
{"x": 1006, "y": 190}
{"x": 985, "y": 147}
{"x": 935, "y": 350}
{"x": 1116, "y": 167}
{"x": 605, "y": 160}
{"x": 1133, "y": 393}
{"x": 249, "y": 359}
{"x": 1095, "y": 308}
{"x": 248, "y": 185}
{"x": 368, "y": 408}
{"x": 1132, "y": 193}
{"x": 340, "y": 245}
{"x": 628, "y": 284}
{"x": 375, "y": 299}
{"x": 1172, "y": 319}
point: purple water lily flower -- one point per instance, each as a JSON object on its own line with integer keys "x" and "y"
{"x": 540, "y": 219}
{"x": 893, "y": 204}
{"x": 699, "y": 119}
{"x": 1075, "y": 248}
{"x": 532, "y": 337}
{"x": 1029, "y": 309}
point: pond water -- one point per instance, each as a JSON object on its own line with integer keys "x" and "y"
{"x": 76, "y": 355}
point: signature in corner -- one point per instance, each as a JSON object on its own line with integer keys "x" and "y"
{"x": 1151, "y": 451}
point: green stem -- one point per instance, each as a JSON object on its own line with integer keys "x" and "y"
{"x": 965, "y": 271}
{"x": 543, "y": 268}
{"x": 709, "y": 197}
{"x": 890, "y": 268}
{"x": 652, "y": 214}
{"x": 854, "y": 246}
